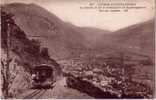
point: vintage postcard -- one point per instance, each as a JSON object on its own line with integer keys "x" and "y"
{"x": 77, "y": 49}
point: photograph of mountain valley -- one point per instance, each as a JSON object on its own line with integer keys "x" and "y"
{"x": 53, "y": 49}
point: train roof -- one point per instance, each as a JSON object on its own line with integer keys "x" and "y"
{"x": 43, "y": 66}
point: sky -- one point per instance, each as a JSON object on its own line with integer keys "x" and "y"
{"x": 69, "y": 11}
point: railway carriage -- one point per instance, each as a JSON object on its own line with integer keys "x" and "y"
{"x": 42, "y": 76}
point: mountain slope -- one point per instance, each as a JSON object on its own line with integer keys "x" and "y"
{"x": 95, "y": 36}
{"x": 139, "y": 37}
{"x": 54, "y": 33}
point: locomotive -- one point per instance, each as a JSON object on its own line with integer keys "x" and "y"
{"x": 42, "y": 76}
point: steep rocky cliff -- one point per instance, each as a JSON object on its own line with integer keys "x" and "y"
{"x": 23, "y": 54}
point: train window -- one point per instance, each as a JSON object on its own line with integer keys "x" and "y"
{"x": 43, "y": 72}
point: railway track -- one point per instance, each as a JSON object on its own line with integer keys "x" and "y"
{"x": 36, "y": 94}
{"x": 41, "y": 94}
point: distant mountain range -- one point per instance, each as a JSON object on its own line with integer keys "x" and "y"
{"x": 67, "y": 40}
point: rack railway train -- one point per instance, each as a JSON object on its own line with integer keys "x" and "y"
{"x": 42, "y": 76}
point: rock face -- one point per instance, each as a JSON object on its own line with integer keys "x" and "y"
{"x": 21, "y": 82}
{"x": 24, "y": 54}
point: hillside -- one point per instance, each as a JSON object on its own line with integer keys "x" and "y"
{"x": 53, "y": 32}
{"x": 63, "y": 39}
{"x": 139, "y": 37}
{"x": 95, "y": 36}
